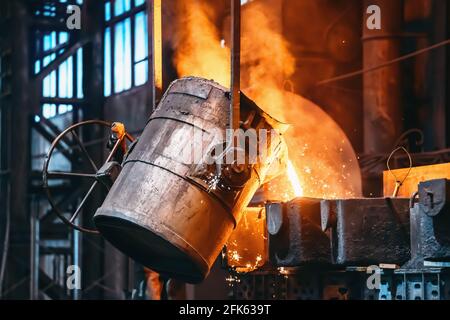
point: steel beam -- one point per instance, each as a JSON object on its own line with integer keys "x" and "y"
{"x": 382, "y": 100}
{"x": 235, "y": 64}
{"x": 155, "y": 48}
{"x": 20, "y": 156}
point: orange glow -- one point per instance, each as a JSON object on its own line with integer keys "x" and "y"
{"x": 198, "y": 46}
{"x": 323, "y": 163}
{"x": 157, "y": 43}
{"x": 246, "y": 245}
{"x": 294, "y": 180}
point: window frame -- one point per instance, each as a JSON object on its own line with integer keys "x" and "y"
{"x": 61, "y": 105}
{"x": 110, "y": 25}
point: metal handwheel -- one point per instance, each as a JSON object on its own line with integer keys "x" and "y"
{"x": 72, "y": 145}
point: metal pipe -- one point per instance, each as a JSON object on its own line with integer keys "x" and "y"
{"x": 76, "y": 241}
{"x": 382, "y": 99}
{"x": 155, "y": 23}
{"x": 34, "y": 250}
{"x": 235, "y": 64}
{"x": 6, "y": 239}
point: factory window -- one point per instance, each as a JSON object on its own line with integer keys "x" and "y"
{"x": 52, "y": 9}
{"x": 125, "y": 45}
{"x": 66, "y": 80}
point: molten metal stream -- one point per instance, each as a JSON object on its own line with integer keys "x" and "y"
{"x": 294, "y": 179}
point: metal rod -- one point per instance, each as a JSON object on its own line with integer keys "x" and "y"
{"x": 77, "y": 212}
{"x": 114, "y": 149}
{"x": 34, "y": 255}
{"x": 72, "y": 49}
{"x": 384, "y": 64}
{"x": 83, "y": 149}
{"x": 235, "y": 64}
{"x": 60, "y": 174}
{"x": 156, "y": 50}
{"x": 6, "y": 238}
{"x": 76, "y": 255}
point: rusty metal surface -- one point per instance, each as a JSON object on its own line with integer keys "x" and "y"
{"x": 365, "y": 231}
{"x": 419, "y": 173}
{"x": 434, "y": 197}
{"x": 430, "y": 222}
{"x": 295, "y": 234}
{"x": 352, "y": 232}
{"x": 280, "y": 236}
{"x": 235, "y": 63}
{"x": 160, "y": 210}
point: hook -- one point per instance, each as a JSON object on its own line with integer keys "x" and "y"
{"x": 398, "y": 182}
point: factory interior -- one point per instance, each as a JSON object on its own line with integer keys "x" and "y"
{"x": 224, "y": 150}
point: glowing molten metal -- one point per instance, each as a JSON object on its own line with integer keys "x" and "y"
{"x": 294, "y": 180}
